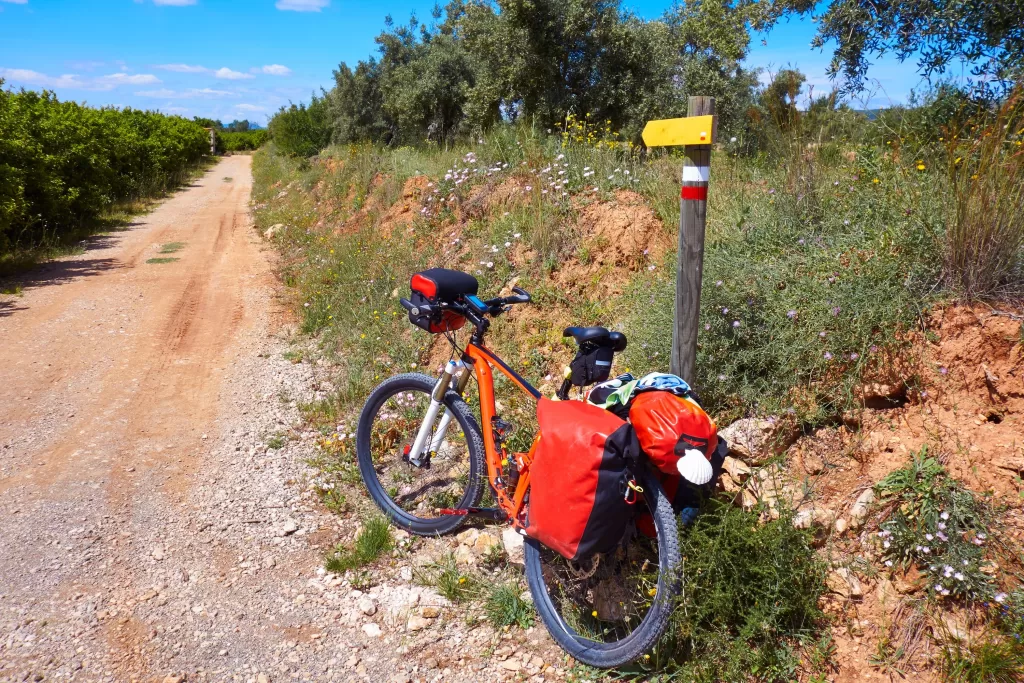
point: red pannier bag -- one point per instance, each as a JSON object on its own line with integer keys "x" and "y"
{"x": 667, "y": 425}
{"x": 578, "y": 478}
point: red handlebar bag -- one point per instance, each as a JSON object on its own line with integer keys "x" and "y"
{"x": 578, "y": 478}
{"x": 667, "y": 425}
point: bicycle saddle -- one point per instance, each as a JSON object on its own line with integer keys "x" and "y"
{"x": 598, "y": 336}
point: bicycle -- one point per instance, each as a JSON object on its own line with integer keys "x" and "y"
{"x": 427, "y": 477}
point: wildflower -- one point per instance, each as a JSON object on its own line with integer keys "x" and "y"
{"x": 982, "y": 536}
{"x": 721, "y": 378}
{"x": 822, "y": 334}
{"x": 791, "y": 314}
{"x": 828, "y": 356}
{"x": 835, "y": 311}
{"x": 888, "y": 563}
{"x": 801, "y": 241}
{"x": 490, "y": 264}
{"x": 958, "y": 576}
{"x": 732, "y": 139}
{"x": 941, "y": 525}
{"x": 886, "y": 544}
{"x": 875, "y": 181}
{"x": 528, "y": 188}
{"x": 650, "y": 267}
{"x": 771, "y": 191}
{"x": 1000, "y": 598}
{"x": 925, "y": 549}
{"x": 943, "y": 371}
{"x": 944, "y": 515}
{"x": 508, "y": 244}
{"x": 724, "y": 311}
{"x": 707, "y": 327}
{"x": 518, "y": 235}
{"x": 920, "y": 165}
{"x": 735, "y": 323}
{"x": 942, "y": 536}
{"x": 929, "y": 536}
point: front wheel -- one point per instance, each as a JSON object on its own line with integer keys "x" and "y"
{"x": 412, "y": 495}
{"x": 614, "y": 607}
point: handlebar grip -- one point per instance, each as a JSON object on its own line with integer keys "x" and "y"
{"x": 406, "y": 304}
{"x": 524, "y": 296}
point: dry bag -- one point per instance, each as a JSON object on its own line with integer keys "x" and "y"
{"x": 579, "y": 478}
{"x": 667, "y": 426}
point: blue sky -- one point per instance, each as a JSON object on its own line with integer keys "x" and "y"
{"x": 231, "y": 60}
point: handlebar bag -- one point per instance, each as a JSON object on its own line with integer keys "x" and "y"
{"x": 579, "y": 477}
{"x": 668, "y": 425}
{"x": 427, "y": 291}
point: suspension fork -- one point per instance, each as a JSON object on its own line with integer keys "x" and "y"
{"x": 420, "y": 455}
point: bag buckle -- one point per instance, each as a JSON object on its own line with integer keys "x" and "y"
{"x": 632, "y": 489}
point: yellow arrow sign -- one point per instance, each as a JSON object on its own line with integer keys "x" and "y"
{"x": 692, "y": 130}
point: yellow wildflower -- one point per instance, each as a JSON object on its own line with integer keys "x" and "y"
{"x": 876, "y": 181}
{"x": 920, "y": 165}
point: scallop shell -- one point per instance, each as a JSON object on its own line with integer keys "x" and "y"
{"x": 694, "y": 467}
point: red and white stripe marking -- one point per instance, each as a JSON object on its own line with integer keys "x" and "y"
{"x": 698, "y": 175}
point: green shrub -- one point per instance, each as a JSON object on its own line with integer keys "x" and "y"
{"x": 939, "y": 526}
{"x": 241, "y": 141}
{"x": 749, "y": 597}
{"x": 62, "y": 165}
{"x": 302, "y": 130}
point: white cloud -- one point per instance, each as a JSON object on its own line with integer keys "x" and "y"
{"x": 174, "y": 3}
{"x": 108, "y": 82}
{"x": 272, "y": 70}
{"x": 16, "y": 2}
{"x": 183, "y": 68}
{"x": 166, "y": 93}
{"x": 230, "y": 75}
{"x": 128, "y": 79}
{"x": 302, "y": 5}
{"x": 162, "y": 93}
{"x": 29, "y": 77}
{"x": 250, "y": 107}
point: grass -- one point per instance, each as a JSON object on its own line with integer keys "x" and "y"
{"x": 990, "y": 661}
{"x": 986, "y": 226}
{"x": 277, "y": 441}
{"x": 171, "y": 247}
{"x": 505, "y": 605}
{"x": 449, "y": 580}
{"x": 162, "y": 259}
{"x": 373, "y": 540}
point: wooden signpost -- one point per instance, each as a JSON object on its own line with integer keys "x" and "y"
{"x": 697, "y": 133}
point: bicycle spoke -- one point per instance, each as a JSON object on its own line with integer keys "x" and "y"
{"x": 419, "y": 490}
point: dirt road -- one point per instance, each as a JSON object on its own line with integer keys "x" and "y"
{"x": 135, "y": 484}
{"x": 157, "y": 515}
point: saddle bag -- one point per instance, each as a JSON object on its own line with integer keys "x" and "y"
{"x": 668, "y": 425}
{"x": 579, "y": 479}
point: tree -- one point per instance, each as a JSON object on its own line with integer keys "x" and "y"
{"x": 986, "y": 35}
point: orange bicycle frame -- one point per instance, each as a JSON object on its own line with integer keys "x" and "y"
{"x": 482, "y": 359}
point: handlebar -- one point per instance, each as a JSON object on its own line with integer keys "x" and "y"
{"x": 473, "y": 308}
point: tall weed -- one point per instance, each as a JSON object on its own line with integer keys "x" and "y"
{"x": 984, "y": 246}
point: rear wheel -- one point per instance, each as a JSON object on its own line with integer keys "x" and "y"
{"x": 614, "y": 607}
{"x": 412, "y": 495}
